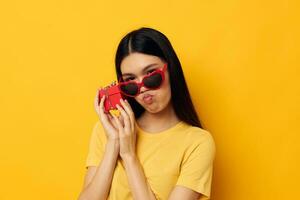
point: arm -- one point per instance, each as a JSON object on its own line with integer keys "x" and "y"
{"x": 97, "y": 187}
{"x": 136, "y": 178}
{"x": 179, "y": 192}
{"x": 138, "y": 184}
{"x": 142, "y": 190}
{"x": 194, "y": 181}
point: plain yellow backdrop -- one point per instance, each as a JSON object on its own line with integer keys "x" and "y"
{"x": 239, "y": 60}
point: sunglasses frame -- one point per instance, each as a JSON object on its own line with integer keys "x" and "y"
{"x": 140, "y": 84}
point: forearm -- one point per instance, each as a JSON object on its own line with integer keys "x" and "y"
{"x": 137, "y": 181}
{"x": 99, "y": 187}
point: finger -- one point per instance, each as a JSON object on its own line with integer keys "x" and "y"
{"x": 126, "y": 119}
{"x": 103, "y": 115}
{"x": 120, "y": 127}
{"x": 96, "y": 99}
{"x": 117, "y": 113}
{"x": 112, "y": 121}
{"x": 121, "y": 118}
{"x": 129, "y": 112}
{"x": 101, "y": 105}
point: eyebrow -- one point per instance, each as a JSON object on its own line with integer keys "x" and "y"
{"x": 145, "y": 69}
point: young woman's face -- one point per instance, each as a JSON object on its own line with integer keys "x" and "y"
{"x": 135, "y": 67}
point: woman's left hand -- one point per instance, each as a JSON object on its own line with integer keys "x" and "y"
{"x": 127, "y": 133}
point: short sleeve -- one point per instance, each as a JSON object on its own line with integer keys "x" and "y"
{"x": 197, "y": 165}
{"x": 95, "y": 149}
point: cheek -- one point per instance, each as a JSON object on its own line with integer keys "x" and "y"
{"x": 166, "y": 84}
{"x": 164, "y": 92}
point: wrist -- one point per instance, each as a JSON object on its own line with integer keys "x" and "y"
{"x": 129, "y": 158}
{"x": 112, "y": 141}
{"x": 112, "y": 145}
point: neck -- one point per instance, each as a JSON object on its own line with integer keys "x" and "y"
{"x": 161, "y": 120}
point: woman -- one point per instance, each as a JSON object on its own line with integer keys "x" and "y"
{"x": 156, "y": 148}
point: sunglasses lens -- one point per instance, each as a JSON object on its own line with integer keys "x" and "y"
{"x": 129, "y": 88}
{"x": 153, "y": 81}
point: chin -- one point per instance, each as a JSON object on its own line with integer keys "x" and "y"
{"x": 152, "y": 111}
{"x": 154, "y": 108}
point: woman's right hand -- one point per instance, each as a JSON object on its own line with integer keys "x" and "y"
{"x": 108, "y": 122}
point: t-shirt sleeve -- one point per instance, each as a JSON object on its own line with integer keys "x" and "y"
{"x": 95, "y": 149}
{"x": 197, "y": 166}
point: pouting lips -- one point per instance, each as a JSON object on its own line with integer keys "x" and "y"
{"x": 147, "y": 95}
{"x": 147, "y": 98}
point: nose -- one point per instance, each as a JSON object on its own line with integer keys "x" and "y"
{"x": 143, "y": 89}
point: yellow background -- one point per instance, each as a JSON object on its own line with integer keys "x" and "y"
{"x": 239, "y": 59}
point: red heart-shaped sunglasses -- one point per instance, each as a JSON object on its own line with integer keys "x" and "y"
{"x": 151, "y": 81}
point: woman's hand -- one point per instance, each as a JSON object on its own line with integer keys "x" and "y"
{"x": 108, "y": 122}
{"x": 127, "y": 130}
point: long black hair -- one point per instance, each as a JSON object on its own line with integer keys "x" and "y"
{"x": 152, "y": 42}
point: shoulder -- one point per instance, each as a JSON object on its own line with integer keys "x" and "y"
{"x": 197, "y": 134}
{"x": 200, "y": 140}
{"x": 200, "y": 134}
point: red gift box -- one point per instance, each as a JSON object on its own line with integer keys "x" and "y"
{"x": 113, "y": 96}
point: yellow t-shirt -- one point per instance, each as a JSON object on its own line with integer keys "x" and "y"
{"x": 181, "y": 155}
